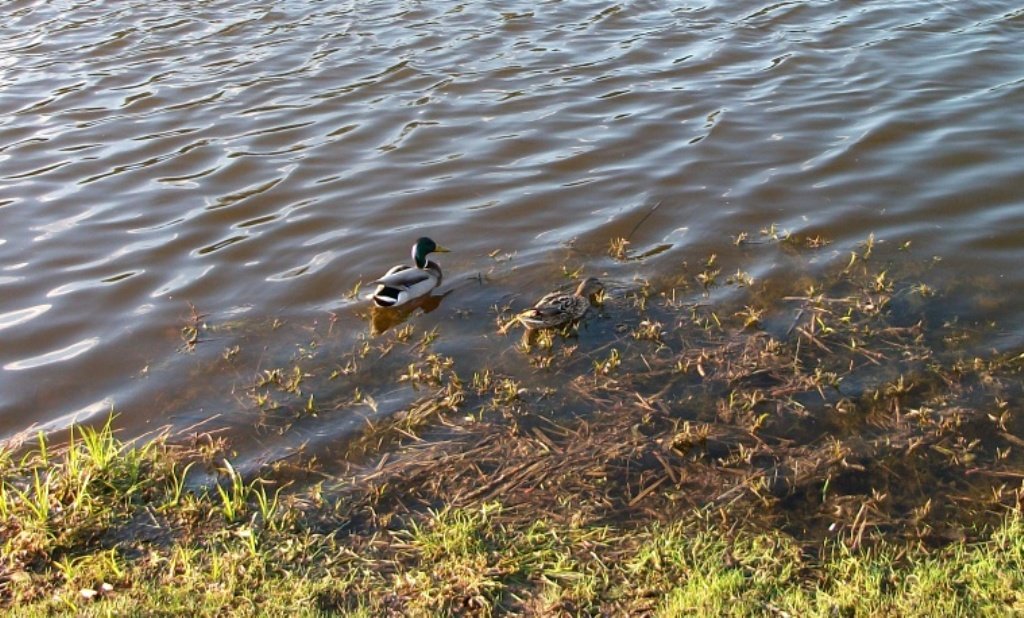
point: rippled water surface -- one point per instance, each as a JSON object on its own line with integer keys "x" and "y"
{"x": 258, "y": 159}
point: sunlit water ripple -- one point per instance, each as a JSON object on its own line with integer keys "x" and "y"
{"x": 258, "y": 159}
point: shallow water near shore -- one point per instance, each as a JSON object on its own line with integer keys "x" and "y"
{"x": 241, "y": 167}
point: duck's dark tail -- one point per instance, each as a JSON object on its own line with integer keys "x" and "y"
{"x": 386, "y": 297}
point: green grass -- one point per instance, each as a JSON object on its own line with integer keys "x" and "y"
{"x": 101, "y": 527}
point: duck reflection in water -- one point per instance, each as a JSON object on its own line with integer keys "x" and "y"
{"x": 383, "y": 319}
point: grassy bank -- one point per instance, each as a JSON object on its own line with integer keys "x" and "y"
{"x": 102, "y": 527}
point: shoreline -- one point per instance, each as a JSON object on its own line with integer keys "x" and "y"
{"x": 802, "y": 449}
{"x": 131, "y": 539}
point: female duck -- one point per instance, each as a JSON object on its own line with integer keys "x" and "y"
{"x": 404, "y": 283}
{"x": 558, "y": 308}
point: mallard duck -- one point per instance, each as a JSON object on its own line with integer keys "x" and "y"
{"x": 558, "y": 308}
{"x": 403, "y": 283}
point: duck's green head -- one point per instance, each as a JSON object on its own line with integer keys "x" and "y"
{"x": 423, "y": 247}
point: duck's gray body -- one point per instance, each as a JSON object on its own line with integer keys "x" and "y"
{"x": 404, "y": 283}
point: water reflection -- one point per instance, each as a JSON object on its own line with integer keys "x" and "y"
{"x": 19, "y": 316}
{"x": 56, "y": 356}
{"x": 383, "y": 319}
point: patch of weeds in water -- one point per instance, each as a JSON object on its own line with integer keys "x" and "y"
{"x": 641, "y": 295}
{"x": 353, "y": 293}
{"x": 407, "y": 423}
{"x": 404, "y": 333}
{"x": 618, "y": 249}
{"x": 751, "y": 316}
{"x": 709, "y": 276}
{"x": 507, "y": 391}
{"x": 572, "y": 273}
{"x": 427, "y": 339}
{"x": 609, "y": 364}
{"x": 801, "y": 241}
{"x": 431, "y": 371}
{"x": 231, "y": 353}
{"x": 649, "y": 330}
{"x": 740, "y": 278}
{"x": 775, "y": 234}
{"x": 190, "y": 331}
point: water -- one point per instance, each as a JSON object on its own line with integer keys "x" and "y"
{"x": 256, "y": 160}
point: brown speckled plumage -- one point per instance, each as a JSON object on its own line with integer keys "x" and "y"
{"x": 558, "y": 308}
